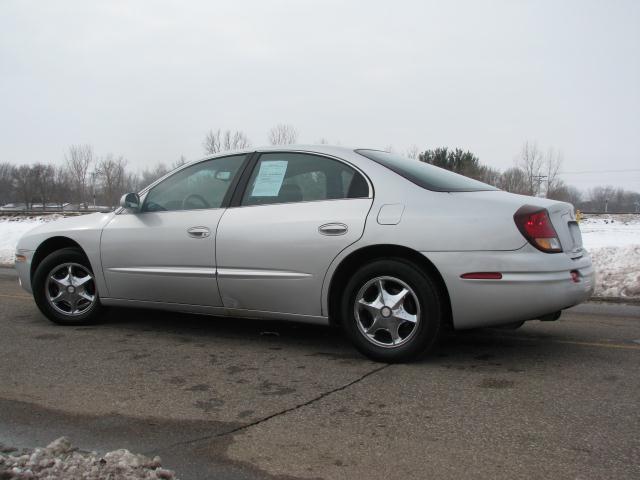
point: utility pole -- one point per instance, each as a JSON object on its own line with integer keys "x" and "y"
{"x": 539, "y": 179}
{"x": 93, "y": 188}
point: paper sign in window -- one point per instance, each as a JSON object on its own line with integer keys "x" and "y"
{"x": 269, "y": 179}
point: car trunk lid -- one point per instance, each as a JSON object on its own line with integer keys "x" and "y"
{"x": 562, "y": 214}
{"x": 564, "y": 221}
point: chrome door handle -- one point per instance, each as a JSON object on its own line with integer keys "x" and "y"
{"x": 198, "y": 232}
{"x": 333, "y": 229}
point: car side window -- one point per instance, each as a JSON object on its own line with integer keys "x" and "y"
{"x": 302, "y": 177}
{"x": 200, "y": 186}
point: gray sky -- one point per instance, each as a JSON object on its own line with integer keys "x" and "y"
{"x": 148, "y": 79}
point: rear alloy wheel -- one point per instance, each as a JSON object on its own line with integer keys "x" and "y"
{"x": 392, "y": 311}
{"x": 387, "y": 311}
{"x": 65, "y": 290}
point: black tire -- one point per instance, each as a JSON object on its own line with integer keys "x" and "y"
{"x": 40, "y": 280}
{"x": 425, "y": 332}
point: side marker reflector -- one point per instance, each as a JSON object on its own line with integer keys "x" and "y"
{"x": 482, "y": 276}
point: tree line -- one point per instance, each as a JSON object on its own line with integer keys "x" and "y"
{"x": 83, "y": 180}
{"x": 86, "y": 179}
{"x": 536, "y": 172}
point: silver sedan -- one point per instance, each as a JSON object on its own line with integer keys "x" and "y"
{"x": 393, "y": 250}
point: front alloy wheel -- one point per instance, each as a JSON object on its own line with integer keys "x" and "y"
{"x": 64, "y": 288}
{"x": 71, "y": 289}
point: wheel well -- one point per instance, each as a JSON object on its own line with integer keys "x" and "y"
{"x": 49, "y": 246}
{"x": 367, "y": 254}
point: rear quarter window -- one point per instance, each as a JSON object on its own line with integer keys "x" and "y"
{"x": 426, "y": 175}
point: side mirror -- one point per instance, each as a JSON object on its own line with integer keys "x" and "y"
{"x": 130, "y": 201}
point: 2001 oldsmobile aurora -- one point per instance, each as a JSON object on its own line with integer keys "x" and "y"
{"x": 392, "y": 249}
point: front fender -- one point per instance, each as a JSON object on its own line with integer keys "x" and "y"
{"x": 84, "y": 230}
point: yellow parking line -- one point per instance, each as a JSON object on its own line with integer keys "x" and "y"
{"x": 571, "y": 342}
{"x": 14, "y": 296}
{"x": 596, "y": 344}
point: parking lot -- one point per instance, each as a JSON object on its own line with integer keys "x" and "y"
{"x": 242, "y": 399}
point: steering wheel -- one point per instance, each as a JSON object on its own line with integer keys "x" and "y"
{"x": 200, "y": 198}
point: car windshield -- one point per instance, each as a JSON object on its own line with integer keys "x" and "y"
{"x": 426, "y": 175}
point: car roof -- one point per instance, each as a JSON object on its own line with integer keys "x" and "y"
{"x": 336, "y": 150}
{"x": 321, "y": 148}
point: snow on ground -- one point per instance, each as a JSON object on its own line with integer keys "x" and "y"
{"x": 614, "y": 244}
{"x": 12, "y": 228}
{"x": 600, "y": 231}
{"x": 613, "y": 240}
{"x": 60, "y": 460}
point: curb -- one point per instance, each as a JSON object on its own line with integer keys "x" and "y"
{"x": 623, "y": 300}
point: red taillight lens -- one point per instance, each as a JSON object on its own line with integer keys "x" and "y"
{"x": 534, "y": 223}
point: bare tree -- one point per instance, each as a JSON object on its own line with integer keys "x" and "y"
{"x": 61, "y": 186}
{"x": 565, "y": 193}
{"x": 413, "y": 152}
{"x": 211, "y": 142}
{"x": 488, "y": 175}
{"x": 552, "y": 165}
{"x": 514, "y": 180}
{"x": 531, "y": 163}
{"x": 322, "y": 141}
{"x": 235, "y": 141}
{"x": 43, "y": 177}
{"x": 79, "y": 160}
{"x": 601, "y": 198}
{"x": 23, "y": 181}
{"x": 112, "y": 176}
{"x": 219, "y": 141}
{"x": 612, "y": 200}
{"x": 178, "y": 163}
{"x": 131, "y": 182}
{"x": 7, "y": 191}
{"x": 149, "y": 176}
{"x": 283, "y": 134}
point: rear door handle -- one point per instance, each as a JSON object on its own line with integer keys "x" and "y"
{"x": 198, "y": 232}
{"x": 333, "y": 229}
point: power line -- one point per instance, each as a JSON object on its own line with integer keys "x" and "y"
{"x": 623, "y": 170}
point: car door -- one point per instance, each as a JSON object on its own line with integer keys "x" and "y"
{"x": 276, "y": 242}
{"x": 166, "y": 251}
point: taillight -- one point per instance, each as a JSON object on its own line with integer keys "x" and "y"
{"x": 534, "y": 223}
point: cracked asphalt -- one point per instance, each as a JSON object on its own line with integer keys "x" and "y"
{"x": 240, "y": 399}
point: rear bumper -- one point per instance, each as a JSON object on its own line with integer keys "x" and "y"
{"x": 533, "y": 284}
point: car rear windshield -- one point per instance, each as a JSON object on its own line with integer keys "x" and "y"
{"x": 426, "y": 175}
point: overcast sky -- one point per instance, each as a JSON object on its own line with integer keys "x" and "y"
{"x": 148, "y": 79}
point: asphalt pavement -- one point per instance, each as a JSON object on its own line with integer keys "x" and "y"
{"x": 241, "y": 399}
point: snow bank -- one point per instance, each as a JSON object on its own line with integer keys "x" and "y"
{"x": 614, "y": 244}
{"x": 617, "y": 271}
{"x": 12, "y": 228}
{"x": 60, "y": 460}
